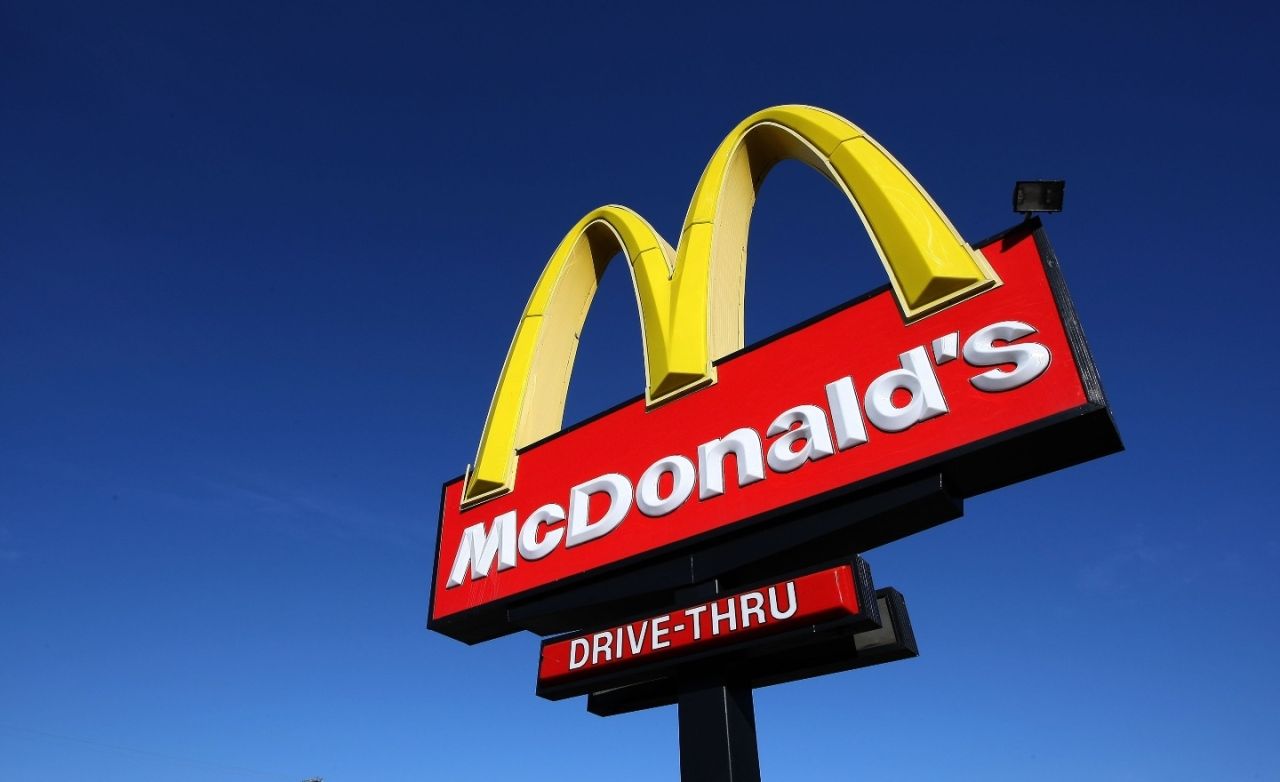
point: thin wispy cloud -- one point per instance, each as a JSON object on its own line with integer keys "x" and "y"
{"x": 309, "y": 514}
{"x": 1128, "y": 562}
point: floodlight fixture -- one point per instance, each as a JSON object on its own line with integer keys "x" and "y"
{"x": 1038, "y": 195}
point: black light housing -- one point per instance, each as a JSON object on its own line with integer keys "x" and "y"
{"x": 1038, "y": 195}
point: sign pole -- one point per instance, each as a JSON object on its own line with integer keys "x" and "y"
{"x": 717, "y": 718}
{"x": 717, "y": 731}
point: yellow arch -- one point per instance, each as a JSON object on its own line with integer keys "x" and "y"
{"x": 691, "y": 300}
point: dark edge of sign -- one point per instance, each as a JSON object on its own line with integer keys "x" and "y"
{"x": 865, "y": 591}
{"x": 867, "y": 618}
{"x": 902, "y": 628}
{"x": 966, "y": 468}
{"x": 435, "y": 562}
{"x": 1089, "y": 376}
{"x": 484, "y": 616}
{"x": 831, "y": 653}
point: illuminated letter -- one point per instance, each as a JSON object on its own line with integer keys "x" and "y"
{"x": 729, "y": 617}
{"x": 636, "y": 642}
{"x": 744, "y": 444}
{"x": 845, "y": 415}
{"x": 647, "y": 499}
{"x": 477, "y": 550}
{"x": 774, "y": 611}
{"x": 916, "y": 378}
{"x": 695, "y": 620}
{"x": 752, "y": 603}
{"x": 530, "y": 547}
{"x": 601, "y": 643}
{"x": 1030, "y": 359}
{"x": 581, "y": 529}
{"x": 574, "y": 660}
{"x": 812, "y": 430}
{"x": 660, "y": 632}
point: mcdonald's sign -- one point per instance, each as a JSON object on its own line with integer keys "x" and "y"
{"x": 969, "y": 366}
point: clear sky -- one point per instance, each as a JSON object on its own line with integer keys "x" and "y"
{"x": 260, "y": 264}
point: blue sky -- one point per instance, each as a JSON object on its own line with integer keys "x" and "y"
{"x": 260, "y": 263}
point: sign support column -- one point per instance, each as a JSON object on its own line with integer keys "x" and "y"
{"x": 717, "y": 731}
{"x": 717, "y": 718}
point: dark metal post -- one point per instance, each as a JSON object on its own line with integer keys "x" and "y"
{"x": 717, "y": 732}
{"x": 717, "y": 719}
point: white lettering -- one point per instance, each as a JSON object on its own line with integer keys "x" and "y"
{"x": 682, "y": 476}
{"x": 695, "y": 619}
{"x": 1030, "y": 359}
{"x": 944, "y": 348}
{"x": 636, "y": 642}
{"x": 893, "y": 402}
{"x": 845, "y": 415}
{"x": 575, "y": 661}
{"x": 730, "y": 617}
{"x": 660, "y": 632}
{"x": 477, "y": 550}
{"x": 580, "y": 529}
{"x": 812, "y": 431}
{"x": 744, "y": 444}
{"x": 916, "y": 378}
{"x": 751, "y": 606}
{"x": 530, "y": 547}
{"x": 600, "y": 644}
{"x": 774, "y": 611}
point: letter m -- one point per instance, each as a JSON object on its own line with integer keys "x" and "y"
{"x": 478, "y": 549}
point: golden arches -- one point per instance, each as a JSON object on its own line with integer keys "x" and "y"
{"x": 691, "y": 300}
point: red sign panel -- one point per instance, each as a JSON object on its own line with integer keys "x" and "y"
{"x": 816, "y": 598}
{"x": 828, "y": 407}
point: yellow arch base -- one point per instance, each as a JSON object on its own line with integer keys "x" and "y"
{"x": 691, "y": 299}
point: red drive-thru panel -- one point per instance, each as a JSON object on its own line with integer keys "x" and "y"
{"x": 823, "y": 410}
{"x": 816, "y": 598}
